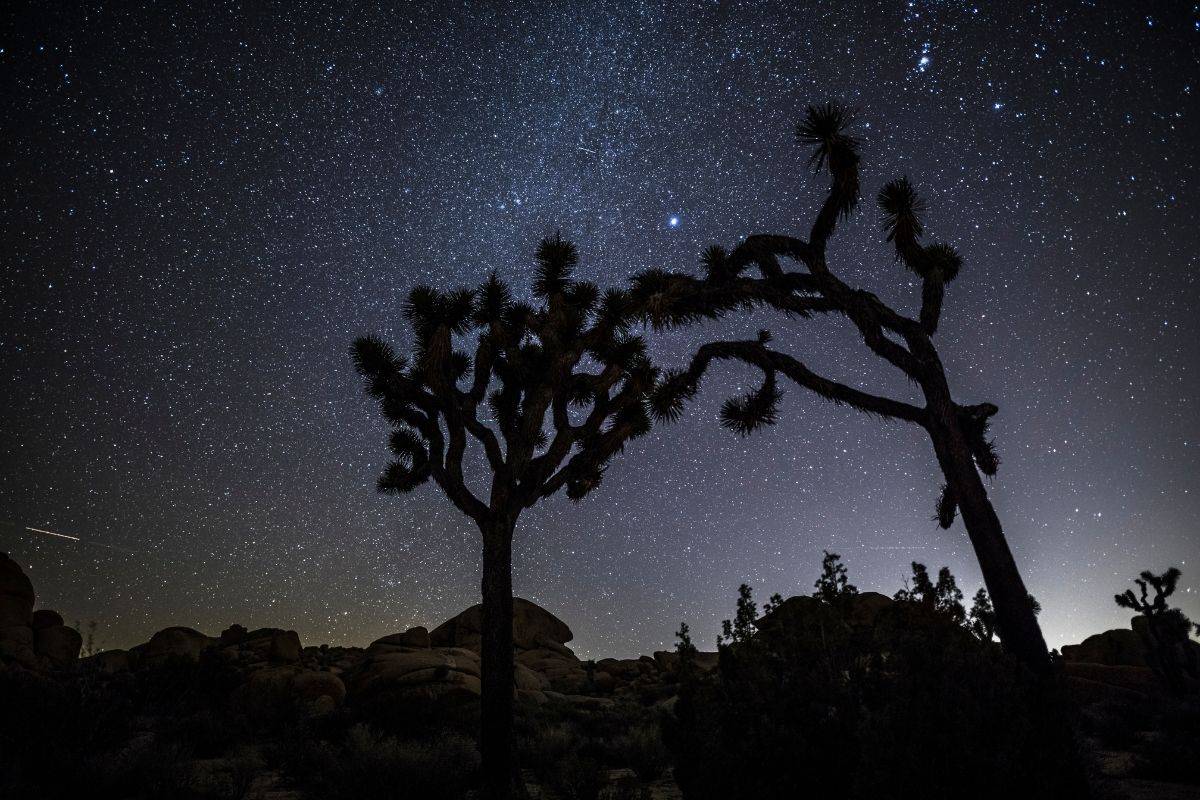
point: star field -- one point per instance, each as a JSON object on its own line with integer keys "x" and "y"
{"x": 202, "y": 207}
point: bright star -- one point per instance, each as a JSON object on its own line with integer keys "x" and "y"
{"x": 673, "y": 222}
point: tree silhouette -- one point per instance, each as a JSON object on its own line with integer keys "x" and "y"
{"x": 981, "y": 619}
{"x": 741, "y": 628}
{"x": 944, "y": 596}
{"x": 566, "y": 385}
{"x": 1166, "y": 628}
{"x": 833, "y": 585}
{"x": 959, "y": 433}
{"x": 1163, "y": 585}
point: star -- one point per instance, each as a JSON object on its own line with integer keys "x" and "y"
{"x": 223, "y": 226}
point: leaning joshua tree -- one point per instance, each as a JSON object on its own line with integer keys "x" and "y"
{"x": 958, "y": 432}
{"x": 550, "y": 394}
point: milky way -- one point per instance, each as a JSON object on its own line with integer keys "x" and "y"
{"x": 201, "y": 208}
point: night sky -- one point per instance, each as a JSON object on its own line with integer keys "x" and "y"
{"x": 201, "y": 208}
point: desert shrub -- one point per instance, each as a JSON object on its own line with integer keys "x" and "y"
{"x": 1115, "y": 724}
{"x": 1173, "y": 752}
{"x": 627, "y": 791}
{"x": 404, "y": 715}
{"x": 542, "y": 744}
{"x": 642, "y": 750}
{"x": 179, "y": 729}
{"x": 810, "y": 705}
{"x": 578, "y": 777}
{"x": 369, "y": 764}
{"x": 556, "y": 739}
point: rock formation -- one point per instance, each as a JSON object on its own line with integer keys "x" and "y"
{"x": 36, "y": 640}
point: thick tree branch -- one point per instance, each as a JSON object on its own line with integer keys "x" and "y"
{"x": 756, "y": 353}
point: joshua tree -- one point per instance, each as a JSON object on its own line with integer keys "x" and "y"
{"x": 958, "y": 432}
{"x": 1163, "y": 585}
{"x": 565, "y": 385}
{"x": 1168, "y": 628}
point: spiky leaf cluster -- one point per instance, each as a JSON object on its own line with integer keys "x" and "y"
{"x": 975, "y": 422}
{"x": 826, "y": 129}
{"x": 947, "y": 507}
{"x": 550, "y": 391}
{"x": 1163, "y": 586}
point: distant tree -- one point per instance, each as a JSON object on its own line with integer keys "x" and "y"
{"x": 981, "y": 619}
{"x": 91, "y": 645}
{"x": 833, "y": 585}
{"x": 563, "y": 385}
{"x": 959, "y": 433}
{"x": 741, "y": 627}
{"x": 686, "y": 651}
{"x": 773, "y": 602}
{"x": 943, "y": 597}
{"x": 822, "y": 704}
{"x": 1168, "y": 628}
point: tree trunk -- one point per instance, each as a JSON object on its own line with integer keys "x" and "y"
{"x": 497, "y": 671}
{"x": 1017, "y": 624}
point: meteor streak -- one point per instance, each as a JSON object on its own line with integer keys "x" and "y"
{"x": 59, "y": 535}
{"x": 66, "y": 536}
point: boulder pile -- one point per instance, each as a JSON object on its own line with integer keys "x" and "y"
{"x": 1120, "y": 665}
{"x": 36, "y": 640}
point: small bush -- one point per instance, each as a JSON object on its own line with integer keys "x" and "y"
{"x": 578, "y": 778}
{"x": 1173, "y": 752}
{"x": 370, "y": 765}
{"x": 914, "y": 704}
{"x": 643, "y": 751}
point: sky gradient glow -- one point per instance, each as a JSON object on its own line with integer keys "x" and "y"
{"x": 201, "y": 209}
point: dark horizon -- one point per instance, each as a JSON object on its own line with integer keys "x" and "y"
{"x": 203, "y": 211}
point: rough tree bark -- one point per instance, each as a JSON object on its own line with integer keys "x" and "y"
{"x": 496, "y": 661}
{"x": 1015, "y": 617}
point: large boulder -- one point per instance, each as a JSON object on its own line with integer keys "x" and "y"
{"x": 864, "y": 608}
{"x": 318, "y": 692}
{"x": 57, "y": 645}
{"x": 798, "y": 613}
{"x": 562, "y": 671}
{"x": 312, "y": 686}
{"x": 268, "y": 644}
{"x": 16, "y": 594}
{"x": 389, "y": 670}
{"x": 533, "y": 626}
{"x": 108, "y": 662}
{"x": 417, "y": 637}
{"x": 668, "y": 661}
{"x": 1116, "y": 648}
{"x": 177, "y": 642}
{"x": 45, "y": 618}
{"x": 1131, "y": 678}
{"x": 16, "y": 645}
